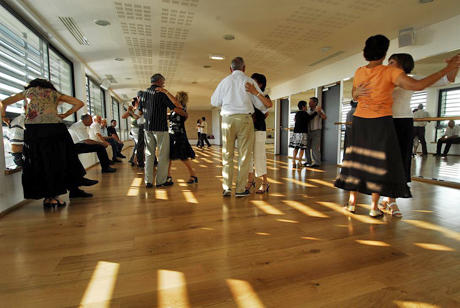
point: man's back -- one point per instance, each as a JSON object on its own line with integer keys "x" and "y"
{"x": 155, "y": 105}
{"x": 421, "y": 113}
{"x": 232, "y": 97}
{"x": 78, "y": 132}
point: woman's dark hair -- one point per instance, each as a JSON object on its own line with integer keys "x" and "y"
{"x": 301, "y": 104}
{"x": 260, "y": 79}
{"x": 41, "y": 83}
{"x": 404, "y": 60}
{"x": 353, "y": 103}
{"x": 376, "y": 47}
{"x": 198, "y": 121}
{"x": 133, "y": 102}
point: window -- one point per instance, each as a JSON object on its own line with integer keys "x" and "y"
{"x": 95, "y": 98}
{"x": 449, "y": 105}
{"x": 418, "y": 98}
{"x": 116, "y": 113}
{"x": 24, "y": 56}
{"x": 61, "y": 77}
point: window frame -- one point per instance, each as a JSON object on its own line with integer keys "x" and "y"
{"x": 439, "y": 126}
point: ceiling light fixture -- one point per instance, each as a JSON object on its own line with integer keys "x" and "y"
{"x": 424, "y": 1}
{"x": 207, "y": 66}
{"x": 119, "y": 59}
{"x": 194, "y": 82}
{"x": 102, "y": 22}
{"x": 229, "y": 37}
{"x": 216, "y": 57}
{"x": 326, "y": 49}
{"x": 128, "y": 78}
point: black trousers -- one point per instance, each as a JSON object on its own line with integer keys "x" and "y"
{"x": 116, "y": 147}
{"x": 199, "y": 143}
{"x": 204, "y": 138}
{"x": 420, "y": 133}
{"x": 448, "y": 141}
{"x": 403, "y": 127}
{"x": 82, "y": 147}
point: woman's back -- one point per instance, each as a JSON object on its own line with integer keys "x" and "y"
{"x": 381, "y": 81}
{"x": 41, "y": 106}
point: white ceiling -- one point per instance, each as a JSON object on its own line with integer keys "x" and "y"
{"x": 280, "y": 39}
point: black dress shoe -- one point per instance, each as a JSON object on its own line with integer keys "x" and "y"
{"x": 108, "y": 170}
{"x": 148, "y": 185}
{"x": 115, "y": 160}
{"x": 314, "y": 166}
{"x": 165, "y": 184}
{"x": 88, "y": 182}
{"x": 121, "y": 155}
{"x": 78, "y": 193}
{"x": 111, "y": 162}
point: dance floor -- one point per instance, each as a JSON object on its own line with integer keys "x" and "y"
{"x": 439, "y": 168}
{"x": 186, "y": 246}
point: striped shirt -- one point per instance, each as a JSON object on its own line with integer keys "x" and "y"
{"x": 154, "y": 105}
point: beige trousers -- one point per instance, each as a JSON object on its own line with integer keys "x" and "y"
{"x": 237, "y": 127}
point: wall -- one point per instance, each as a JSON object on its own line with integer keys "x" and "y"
{"x": 190, "y": 124}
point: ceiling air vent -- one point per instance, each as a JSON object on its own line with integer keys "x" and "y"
{"x": 74, "y": 29}
{"x": 327, "y": 58}
{"x": 111, "y": 78}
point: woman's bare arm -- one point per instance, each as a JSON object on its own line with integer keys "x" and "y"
{"x": 75, "y": 102}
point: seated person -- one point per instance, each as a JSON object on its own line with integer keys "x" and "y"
{"x": 112, "y": 133}
{"x": 451, "y": 136}
{"x": 95, "y": 133}
{"x": 83, "y": 144}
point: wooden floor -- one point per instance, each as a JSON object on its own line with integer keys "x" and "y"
{"x": 440, "y": 168}
{"x": 186, "y": 246}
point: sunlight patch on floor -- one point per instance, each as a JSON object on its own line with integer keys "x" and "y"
{"x": 100, "y": 287}
{"x": 172, "y": 290}
{"x": 243, "y": 294}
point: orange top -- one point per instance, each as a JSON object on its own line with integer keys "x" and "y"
{"x": 381, "y": 83}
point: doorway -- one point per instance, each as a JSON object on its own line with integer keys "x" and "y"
{"x": 330, "y": 138}
{"x": 284, "y": 126}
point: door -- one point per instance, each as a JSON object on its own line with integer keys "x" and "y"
{"x": 330, "y": 138}
{"x": 284, "y": 126}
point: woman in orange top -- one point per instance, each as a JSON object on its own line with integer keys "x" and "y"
{"x": 372, "y": 162}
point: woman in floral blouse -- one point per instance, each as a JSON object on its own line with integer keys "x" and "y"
{"x": 51, "y": 164}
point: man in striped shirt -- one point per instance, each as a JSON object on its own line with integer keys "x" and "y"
{"x": 154, "y": 103}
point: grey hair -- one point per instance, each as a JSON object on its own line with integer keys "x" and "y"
{"x": 237, "y": 64}
{"x": 420, "y": 106}
{"x": 156, "y": 77}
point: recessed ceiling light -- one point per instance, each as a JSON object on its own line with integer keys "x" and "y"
{"x": 326, "y": 49}
{"x": 128, "y": 78}
{"x": 194, "y": 82}
{"x": 101, "y": 22}
{"x": 229, "y": 37}
{"x": 119, "y": 59}
{"x": 216, "y": 57}
{"x": 206, "y": 66}
{"x": 425, "y": 1}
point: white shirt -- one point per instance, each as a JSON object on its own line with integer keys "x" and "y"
{"x": 452, "y": 131}
{"x": 79, "y": 132}
{"x": 204, "y": 128}
{"x": 421, "y": 113}
{"x": 198, "y": 126}
{"x": 95, "y": 129}
{"x": 232, "y": 97}
{"x": 315, "y": 123}
{"x": 402, "y": 97}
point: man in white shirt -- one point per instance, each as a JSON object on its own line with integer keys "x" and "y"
{"x": 95, "y": 133}
{"x": 204, "y": 132}
{"x": 83, "y": 143}
{"x": 237, "y": 105}
{"x": 314, "y": 135}
{"x": 451, "y": 136}
{"x": 419, "y": 127}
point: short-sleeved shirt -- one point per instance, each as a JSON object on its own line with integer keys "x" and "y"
{"x": 452, "y": 131}
{"x": 111, "y": 131}
{"x": 41, "y": 106}
{"x": 79, "y": 132}
{"x": 302, "y": 120}
{"x": 382, "y": 81}
{"x": 95, "y": 129}
{"x": 154, "y": 104}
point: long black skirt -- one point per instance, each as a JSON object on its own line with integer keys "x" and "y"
{"x": 51, "y": 164}
{"x": 372, "y": 162}
{"x": 180, "y": 148}
{"x": 404, "y": 130}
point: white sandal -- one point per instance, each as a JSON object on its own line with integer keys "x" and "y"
{"x": 350, "y": 208}
{"x": 394, "y": 212}
{"x": 375, "y": 213}
{"x": 383, "y": 205}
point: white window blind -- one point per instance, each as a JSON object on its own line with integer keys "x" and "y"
{"x": 94, "y": 98}
{"x": 61, "y": 77}
{"x": 419, "y": 97}
{"x": 116, "y": 113}
{"x": 449, "y": 105}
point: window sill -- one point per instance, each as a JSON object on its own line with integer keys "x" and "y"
{"x": 13, "y": 171}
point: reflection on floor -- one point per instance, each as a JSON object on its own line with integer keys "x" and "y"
{"x": 186, "y": 246}
{"x": 435, "y": 167}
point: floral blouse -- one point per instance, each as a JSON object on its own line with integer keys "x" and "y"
{"x": 40, "y": 106}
